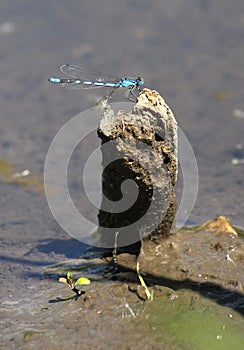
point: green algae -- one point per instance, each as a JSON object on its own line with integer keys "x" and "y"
{"x": 184, "y": 320}
{"x": 9, "y": 174}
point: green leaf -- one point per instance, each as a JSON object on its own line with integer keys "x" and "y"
{"x": 70, "y": 277}
{"x": 83, "y": 280}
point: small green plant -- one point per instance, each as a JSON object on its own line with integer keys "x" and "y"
{"x": 147, "y": 291}
{"x": 72, "y": 283}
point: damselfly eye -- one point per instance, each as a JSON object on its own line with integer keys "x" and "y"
{"x": 140, "y": 81}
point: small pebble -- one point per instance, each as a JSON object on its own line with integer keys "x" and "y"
{"x": 238, "y": 113}
{"x": 7, "y": 28}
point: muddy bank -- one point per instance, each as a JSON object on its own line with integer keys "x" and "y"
{"x": 193, "y": 255}
{"x": 196, "y": 64}
{"x": 196, "y": 277}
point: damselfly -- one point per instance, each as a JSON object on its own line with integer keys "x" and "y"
{"x": 82, "y": 78}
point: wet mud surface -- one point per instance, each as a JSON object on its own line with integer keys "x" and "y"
{"x": 192, "y": 53}
{"x": 195, "y": 276}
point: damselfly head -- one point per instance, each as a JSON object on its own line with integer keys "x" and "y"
{"x": 140, "y": 81}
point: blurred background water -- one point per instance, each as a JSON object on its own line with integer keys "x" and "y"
{"x": 191, "y": 51}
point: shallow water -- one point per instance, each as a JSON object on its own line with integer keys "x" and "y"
{"x": 190, "y": 51}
